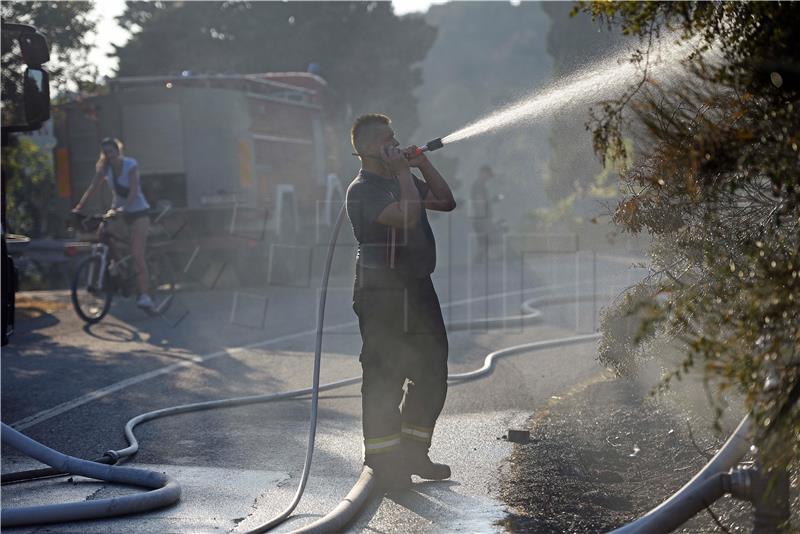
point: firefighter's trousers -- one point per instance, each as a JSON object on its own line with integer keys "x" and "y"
{"x": 403, "y": 358}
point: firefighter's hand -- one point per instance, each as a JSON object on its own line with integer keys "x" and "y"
{"x": 394, "y": 158}
{"x": 415, "y": 157}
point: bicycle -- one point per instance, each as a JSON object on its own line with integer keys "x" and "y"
{"x": 100, "y": 276}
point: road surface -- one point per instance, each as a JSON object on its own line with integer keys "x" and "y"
{"x": 73, "y": 388}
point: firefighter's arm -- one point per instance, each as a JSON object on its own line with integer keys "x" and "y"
{"x": 406, "y": 211}
{"x": 439, "y": 196}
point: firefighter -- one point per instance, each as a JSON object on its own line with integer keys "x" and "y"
{"x": 404, "y": 342}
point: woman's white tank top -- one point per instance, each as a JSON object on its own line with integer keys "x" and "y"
{"x": 118, "y": 201}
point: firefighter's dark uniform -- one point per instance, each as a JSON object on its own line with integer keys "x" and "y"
{"x": 402, "y": 329}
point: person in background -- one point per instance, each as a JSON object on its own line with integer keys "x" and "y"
{"x": 121, "y": 173}
{"x": 481, "y": 212}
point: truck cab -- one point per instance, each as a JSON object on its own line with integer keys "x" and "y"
{"x": 25, "y": 107}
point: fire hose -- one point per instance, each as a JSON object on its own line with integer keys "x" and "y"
{"x": 168, "y": 491}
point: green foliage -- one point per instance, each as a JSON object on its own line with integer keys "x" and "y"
{"x": 66, "y": 26}
{"x": 716, "y": 186}
{"x": 367, "y": 54}
{"x": 30, "y": 188}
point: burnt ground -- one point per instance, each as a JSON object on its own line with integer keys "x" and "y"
{"x": 604, "y": 454}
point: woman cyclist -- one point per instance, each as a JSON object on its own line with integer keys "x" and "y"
{"x": 122, "y": 175}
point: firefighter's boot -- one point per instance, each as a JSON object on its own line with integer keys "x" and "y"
{"x": 389, "y": 471}
{"x": 419, "y": 463}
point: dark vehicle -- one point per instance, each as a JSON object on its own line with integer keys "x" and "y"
{"x": 25, "y": 106}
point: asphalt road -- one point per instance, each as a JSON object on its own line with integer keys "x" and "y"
{"x": 73, "y": 388}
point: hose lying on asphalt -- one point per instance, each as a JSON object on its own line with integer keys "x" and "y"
{"x": 48, "y": 472}
{"x": 529, "y": 314}
{"x": 682, "y": 505}
{"x": 165, "y": 489}
{"x": 338, "y": 518}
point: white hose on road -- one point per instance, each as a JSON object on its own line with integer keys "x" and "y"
{"x": 661, "y": 518}
{"x": 164, "y": 489}
{"x": 529, "y": 314}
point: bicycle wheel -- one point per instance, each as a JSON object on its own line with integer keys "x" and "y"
{"x": 162, "y": 280}
{"x": 90, "y": 302}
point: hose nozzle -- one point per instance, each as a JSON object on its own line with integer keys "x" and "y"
{"x": 430, "y": 146}
{"x": 436, "y": 144}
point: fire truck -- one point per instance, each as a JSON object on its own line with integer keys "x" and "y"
{"x": 228, "y": 162}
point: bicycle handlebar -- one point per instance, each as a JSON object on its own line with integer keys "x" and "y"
{"x": 90, "y": 223}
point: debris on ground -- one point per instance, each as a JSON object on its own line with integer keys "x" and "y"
{"x": 606, "y": 455}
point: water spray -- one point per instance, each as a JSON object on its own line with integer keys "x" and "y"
{"x": 582, "y": 88}
{"x": 586, "y": 87}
